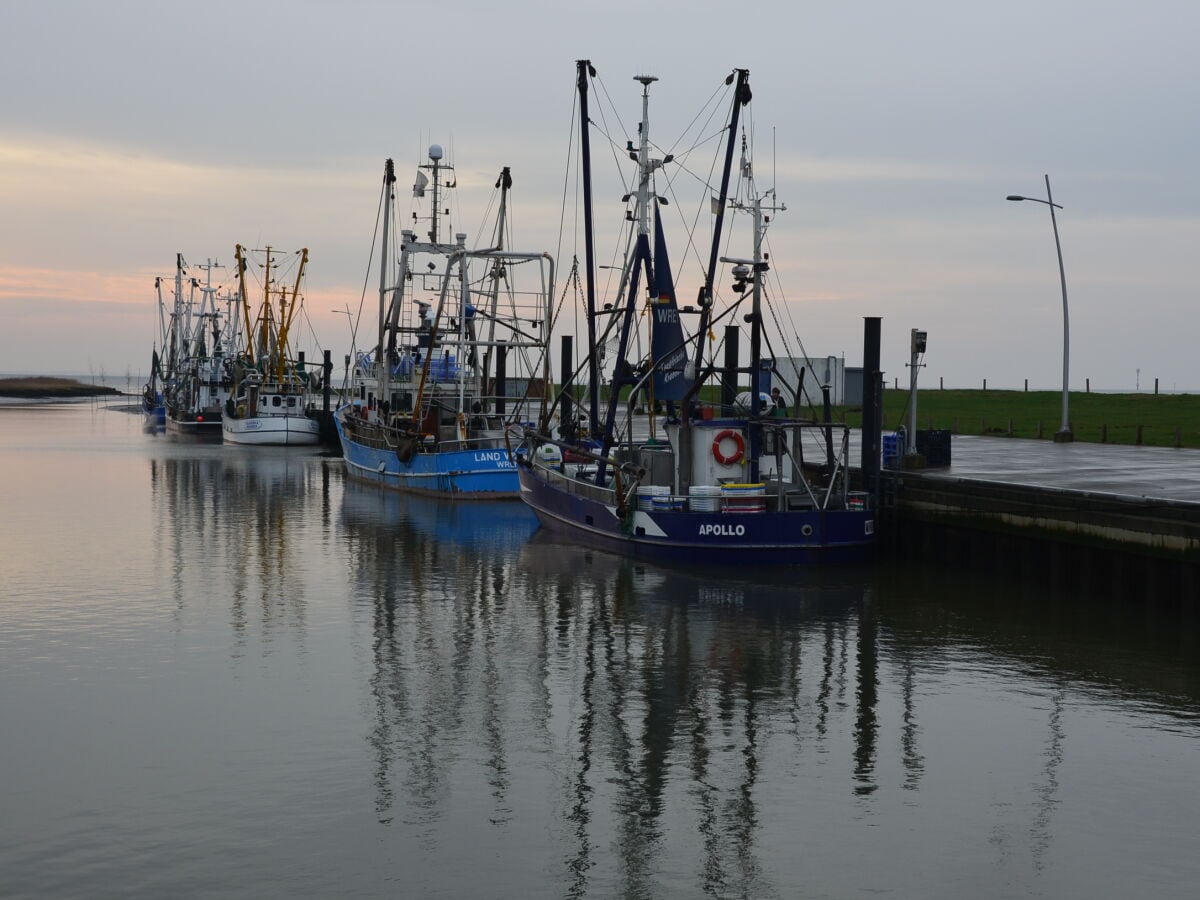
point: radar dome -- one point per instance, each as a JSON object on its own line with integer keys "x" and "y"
{"x": 435, "y": 151}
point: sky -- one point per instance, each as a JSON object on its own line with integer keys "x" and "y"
{"x": 133, "y": 130}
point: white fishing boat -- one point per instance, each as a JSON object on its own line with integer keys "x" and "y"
{"x": 270, "y": 399}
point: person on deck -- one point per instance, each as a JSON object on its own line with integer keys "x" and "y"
{"x": 780, "y": 408}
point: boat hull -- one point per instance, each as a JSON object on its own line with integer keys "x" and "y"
{"x": 278, "y": 431}
{"x": 208, "y": 428}
{"x": 477, "y": 474}
{"x": 794, "y": 537}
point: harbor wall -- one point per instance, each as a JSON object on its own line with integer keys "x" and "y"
{"x": 1109, "y": 544}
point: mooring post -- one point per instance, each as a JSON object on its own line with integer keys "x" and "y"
{"x": 567, "y": 393}
{"x": 327, "y": 377}
{"x": 729, "y": 375}
{"x": 872, "y": 404}
{"x": 501, "y": 377}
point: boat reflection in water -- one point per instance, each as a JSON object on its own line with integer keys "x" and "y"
{"x": 506, "y": 713}
{"x": 627, "y": 705}
{"x": 235, "y": 524}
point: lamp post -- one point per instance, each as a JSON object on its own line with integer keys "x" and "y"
{"x": 1064, "y": 434}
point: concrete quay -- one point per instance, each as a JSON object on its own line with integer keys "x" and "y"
{"x": 1118, "y": 515}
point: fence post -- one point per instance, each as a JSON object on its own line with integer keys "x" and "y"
{"x": 985, "y": 384}
{"x": 1027, "y": 385}
{"x": 1039, "y": 430}
{"x": 1178, "y": 438}
{"x": 1104, "y": 434}
{"x": 1139, "y": 435}
{"x": 1155, "y": 387}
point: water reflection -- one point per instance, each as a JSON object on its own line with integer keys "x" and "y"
{"x": 638, "y": 685}
{"x": 1126, "y": 651}
{"x": 233, "y": 527}
{"x": 436, "y": 576}
{"x": 686, "y": 678}
{"x": 260, "y": 659}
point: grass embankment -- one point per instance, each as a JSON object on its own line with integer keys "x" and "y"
{"x": 40, "y": 387}
{"x": 1157, "y": 420}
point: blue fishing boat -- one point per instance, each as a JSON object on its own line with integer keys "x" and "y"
{"x": 460, "y": 352}
{"x": 724, "y": 483}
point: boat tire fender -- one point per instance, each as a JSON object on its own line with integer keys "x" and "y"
{"x": 739, "y": 447}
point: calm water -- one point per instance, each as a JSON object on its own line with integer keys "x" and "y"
{"x": 230, "y": 672}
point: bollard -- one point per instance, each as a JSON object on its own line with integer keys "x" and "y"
{"x": 941, "y": 383}
{"x": 985, "y": 384}
{"x": 1087, "y": 385}
{"x": 1178, "y": 438}
{"x": 1027, "y": 385}
{"x": 1139, "y": 435}
{"x": 1010, "y": 428}
{"x": 1104, "y": 434}
{"x": 1039, "y": 430}
{"x": 1155, "y": 387}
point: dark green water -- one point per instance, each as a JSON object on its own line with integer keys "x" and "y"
{"x": 228, "y": 672}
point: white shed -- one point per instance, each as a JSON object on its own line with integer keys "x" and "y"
{"x": 817, "y": 371}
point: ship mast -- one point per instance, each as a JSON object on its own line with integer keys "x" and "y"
{"x": 381, "y": 360}
{"x": 288, "y": 313}
{"x": 741, "y": 96}
{"x": 585, "y": 69}
{"x": 181, "y": 334}
{"x": 639, "y": 259}
{"x": 755, "y": 271}
{"x": 498, "y": 273}
{"x": 239, "y": 254}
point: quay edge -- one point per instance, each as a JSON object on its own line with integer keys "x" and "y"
{"x": 1121, "y": 543}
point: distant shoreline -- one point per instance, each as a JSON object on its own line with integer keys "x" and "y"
{"x": 43, "y": 388}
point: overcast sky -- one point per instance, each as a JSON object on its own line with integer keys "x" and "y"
{"x": 132, "y": 130}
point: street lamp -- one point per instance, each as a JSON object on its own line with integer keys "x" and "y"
{"x": 1064, "y": 434}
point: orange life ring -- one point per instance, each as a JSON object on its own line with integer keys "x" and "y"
{"x": 738, "y": 451}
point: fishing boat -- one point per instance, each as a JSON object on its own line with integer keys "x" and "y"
{"x": 724, "y": 483}
{"x": 269, "y": 402}
{"x": 154, "y": 407}
{"x": 459, "y": 352}
{"x": 197, "y": 377}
